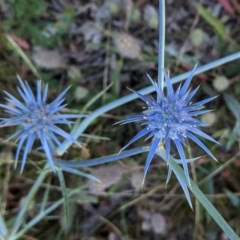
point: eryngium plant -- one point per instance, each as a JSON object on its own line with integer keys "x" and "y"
{"x": 171, "y": 118}
{"x": 36, "y": 119}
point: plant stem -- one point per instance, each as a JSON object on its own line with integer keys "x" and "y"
{"x": 161, "y": 42}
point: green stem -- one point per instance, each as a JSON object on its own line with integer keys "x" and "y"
{"x": 161, "y": 42}
{"x": 123, "y": 100}
{"x": 26, "y": 203}
{"x": 212, "y": 211}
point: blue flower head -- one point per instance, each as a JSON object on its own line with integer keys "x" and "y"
{"x": 170, "y": 118}
{"x": 36, "y": 119}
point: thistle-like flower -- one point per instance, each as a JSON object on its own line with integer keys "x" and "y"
{"x": 170, "y": 118}
{"x": 36, "y": 119}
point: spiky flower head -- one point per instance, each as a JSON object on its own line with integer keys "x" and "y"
{"x": 170, "y": 118}
{"x": 36, "y": 119}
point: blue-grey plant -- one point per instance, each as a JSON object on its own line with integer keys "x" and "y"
{"x": 171, "y": 118}
{"x": 36, "y": 119}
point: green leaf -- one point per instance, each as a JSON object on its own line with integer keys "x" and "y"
{"x": 24, "y": 208}
{"x": 64, "y": 194}
{"x": 212, "y": 211}
{"x": 25, "y": 58}
{"x": 234, "y": 106}
{"x": 3, "y": 228}
{"x": 41, "y": 215}
{"x": 213, "y": 21}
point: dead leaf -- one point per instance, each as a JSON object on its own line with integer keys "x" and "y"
{"x": 21, "y": 42}
{"x": 153, "y": 221}
{"x": 227, "y": 7}
{"x": 3, "y": 6}
{"x": 127, "y": 45}
{"x": 107, "y": 10}
{"x": 92, "y": 32}
{"x": 136, "y": 180}
{"x": 158, "y": 223}
{"x": 6, "y": 156}
{"x": 221, "y": 83}
{"x": 150, "y": 16}
{"x": 210, "y": 118}
{"x": 80, "y": 93}
{"x": 197, "y": 37}
{"x": 108, "y": 175}
{"x": 127, "y": 6}
{"x": 48, "y": 59}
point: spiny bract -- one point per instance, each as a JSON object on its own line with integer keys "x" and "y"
{"x": 36, "y": 119}
{"x": 171, "y": 118}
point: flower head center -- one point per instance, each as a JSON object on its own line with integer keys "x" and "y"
{"x": 167, "y": 118}
{"x": 36, "y": 118}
